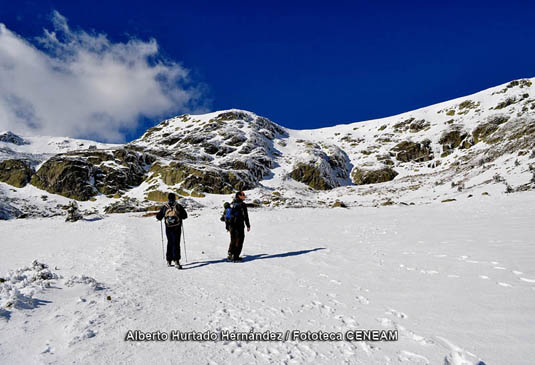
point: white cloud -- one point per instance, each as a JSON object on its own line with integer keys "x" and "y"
{"x": 72, "y": 83}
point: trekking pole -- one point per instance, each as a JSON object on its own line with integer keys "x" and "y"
{"x": 161, "y": 231}
{"x": 184, "y": 239}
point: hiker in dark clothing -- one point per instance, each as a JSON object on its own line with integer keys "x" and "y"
{"x": 173, "y": 213}
{"x": 239, "y": 219}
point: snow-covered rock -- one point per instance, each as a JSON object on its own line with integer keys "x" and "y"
{"x": 215, "y": 153}
{"x": 10, "y": 137}
{"x": 18, "y": 287}
{"x": 7, "y": 211}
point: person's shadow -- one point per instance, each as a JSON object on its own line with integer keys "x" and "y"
{"x": 247, "y": 258}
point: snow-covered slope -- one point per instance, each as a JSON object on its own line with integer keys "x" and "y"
{"x": 479, "y": 144}
{"x": 488, "y": 137}
{"x": 456, "y": 281}
{"x": 482, "y": 143}
{"x": 40, "y": 148}
{"x": 54, "y": 145}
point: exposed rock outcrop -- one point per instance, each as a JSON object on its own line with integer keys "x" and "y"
{"x": 228, "y": 151}
{"x": 202, "y": 178}
{"x": 408, "y": 151}
{"x": 369, "y": 176}
{"x": 454, "y": 138}
{"x": 81, "y": 175}
{"x": 484, "y": 130}
{"x": 16, "y": 173}
{"x": 70, "y": 177}
{"x": 327, "y": 167}
{"x": 10, "y": 137}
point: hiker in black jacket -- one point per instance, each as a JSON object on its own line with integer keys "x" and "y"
{"x": 173, "y": 213}
{"x": 239, "y": 219}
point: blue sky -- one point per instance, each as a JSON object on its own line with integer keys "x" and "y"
{"x": 307, "y": 65}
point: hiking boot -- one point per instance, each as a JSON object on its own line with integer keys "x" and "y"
{"x": 230, "y": 257}
{"x": 238, "y": 259}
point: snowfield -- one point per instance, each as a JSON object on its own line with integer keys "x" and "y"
{"x": 456, "y": 280}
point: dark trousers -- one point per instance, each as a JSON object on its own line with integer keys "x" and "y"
{"x": 173, "y": 243}
{"x": 237, "y": 236}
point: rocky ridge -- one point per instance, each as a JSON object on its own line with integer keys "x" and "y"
{"x": 482, "y": 141}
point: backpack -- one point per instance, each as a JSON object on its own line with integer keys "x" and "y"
{"x": 172, "y": 216}
{"x": 225, "y": 217}
{"x": 228, "y": 214}
{"x": 234, "y": 213}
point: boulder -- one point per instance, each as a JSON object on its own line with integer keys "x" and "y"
{"x": 157, "y": 196}
{"x": 81, "y": 175}
{"x": 327, "y": 166}
{"x": 69, "y": 177}
{"x": 454, "y": 138}
{"x": 311, "y": 175}
{"x": 197, "y": 138}
{"x": 369, "y": 176}
{"x": 205, "y": 179}
{"x": 408, "y": 151}
{"x": 419, "y": 125}
{"x": 211, "y": 148}
{"x": 15, "y": 172}
{"x": 124, "y": 169}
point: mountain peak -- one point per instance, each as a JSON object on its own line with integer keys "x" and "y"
{"x": 10, "y": 137}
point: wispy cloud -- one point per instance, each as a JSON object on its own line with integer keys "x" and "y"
{"x": 73, "y": 83}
